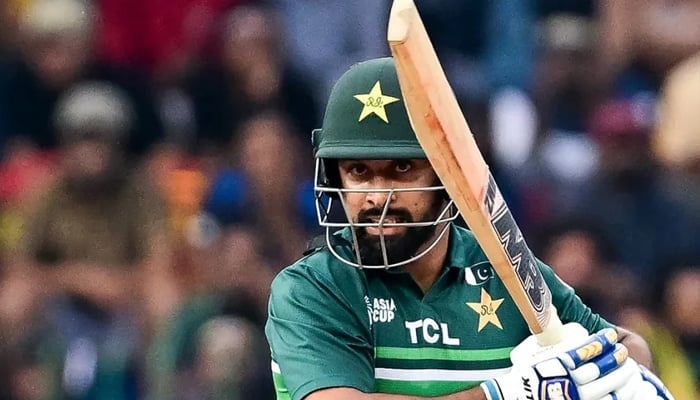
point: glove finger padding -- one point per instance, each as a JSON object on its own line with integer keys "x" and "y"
{"x": 612, "y": 382}
{"x": 600, "y": 366}
{"x": 594, "y": 346}
{"x": 662, "y": 391}
{"x": 629, "y": 391}
{"x": 631, "y": 382}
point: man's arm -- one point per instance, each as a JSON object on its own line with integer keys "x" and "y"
{"x": 637, "y": 346}
{"x": 354, "y": 394}
{"x": 590, "y": 369}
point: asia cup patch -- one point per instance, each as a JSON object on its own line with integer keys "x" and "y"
{"x": 380, "y": 310}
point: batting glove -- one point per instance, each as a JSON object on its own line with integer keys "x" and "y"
{"x": 643, "y": 385}
{"x": 596, "y": 369}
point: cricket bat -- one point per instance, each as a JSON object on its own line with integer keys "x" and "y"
{"x": 447, "y": 140}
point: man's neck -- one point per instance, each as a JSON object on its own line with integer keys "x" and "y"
{"x": 426, "y": 270}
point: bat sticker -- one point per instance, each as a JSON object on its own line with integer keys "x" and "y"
{"x": 520, "y": 256}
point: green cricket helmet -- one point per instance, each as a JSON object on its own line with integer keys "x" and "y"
{"x": 366, "y": 119}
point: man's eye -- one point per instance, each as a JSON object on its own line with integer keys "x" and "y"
{"x": 358, "y": 170}
{"x": 403, "y": 166}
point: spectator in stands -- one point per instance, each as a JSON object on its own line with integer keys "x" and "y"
{"x": 158, "y": 36}
{"x": 680, "y": 308}
{"x": 322, "y": 38}
{"x": 9, "y": 11}
{"x": 211, "y": 347}
{"x": 627, "y": 198}
{"x": 581, "y": 255}
{"x": 563, "y": 160}
{"x": 56, "y": 43}
{"x": 253, "y": 76}
{"x": 676, "y": 138}
{"x": 671, "y": 326}
{"x": 261, "y": 181}
{"x": 641, "y": 42}
{"x": 96, "y": 249}
{"x": 269, "y": 158}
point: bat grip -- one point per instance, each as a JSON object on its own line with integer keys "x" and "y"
{"x": 553, "y": 333}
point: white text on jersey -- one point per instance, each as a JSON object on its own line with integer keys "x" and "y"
{"x": 432, "y": 332}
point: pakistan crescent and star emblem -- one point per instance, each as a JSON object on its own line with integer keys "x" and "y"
{"x": 486, "y": 309}
{"x": 374, "y": 103}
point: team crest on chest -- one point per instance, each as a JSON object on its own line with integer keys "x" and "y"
{"x": 486, "y": 308}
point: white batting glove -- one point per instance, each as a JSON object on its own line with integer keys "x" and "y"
{"x": 595, "y": 369}
{"x": 649, "y": 387}
{"x": 643, "y": 385}
{"x": 662, "y": 393}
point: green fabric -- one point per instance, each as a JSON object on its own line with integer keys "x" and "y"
{"x": 422, "y": 388}
{"x": 333, "y": 325}
{"x": 366, "y": 118}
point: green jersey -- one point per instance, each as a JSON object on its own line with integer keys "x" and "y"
{"x": 333, "y": 325}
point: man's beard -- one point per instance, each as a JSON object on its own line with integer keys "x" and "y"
{"x": 399, "y": 247}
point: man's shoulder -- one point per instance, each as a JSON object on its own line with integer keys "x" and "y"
{"x": 319, "y": 266}
{"x": 318, "y": 278}
{"x": 464, "y": 248}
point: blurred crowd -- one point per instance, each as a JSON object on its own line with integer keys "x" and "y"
{"x": 156, "y": 172}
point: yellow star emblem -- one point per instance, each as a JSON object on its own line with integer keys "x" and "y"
{"x": 487, "y": 310}
{"x": 374, "y": 103}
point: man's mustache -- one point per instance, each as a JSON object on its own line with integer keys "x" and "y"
{"x": 396, "y": 214}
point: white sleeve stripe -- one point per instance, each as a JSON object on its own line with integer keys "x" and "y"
{"x": 275, "y": 367}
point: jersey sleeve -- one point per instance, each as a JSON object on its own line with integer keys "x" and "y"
{"x": 318, "y": 335}
{"x": 569, "y": 306}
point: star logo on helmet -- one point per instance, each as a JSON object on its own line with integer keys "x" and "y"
{"x": 374, "y": 103}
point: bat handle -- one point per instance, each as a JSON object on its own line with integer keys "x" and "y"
{"x": 553, "y": 333}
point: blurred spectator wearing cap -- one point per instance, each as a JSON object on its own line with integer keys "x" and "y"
{"x": 627, "y": 198}
{"x": 251, "y": 76}
{"x": 95, "y": 250}
{"x": 56, "y": 52}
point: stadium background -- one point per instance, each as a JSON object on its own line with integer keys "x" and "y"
{"x": 156, "y": 172}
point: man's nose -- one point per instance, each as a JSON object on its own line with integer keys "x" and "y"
{"x": 380, "y": 197}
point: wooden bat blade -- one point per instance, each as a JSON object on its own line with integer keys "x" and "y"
{"x": 449, "y": 144}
